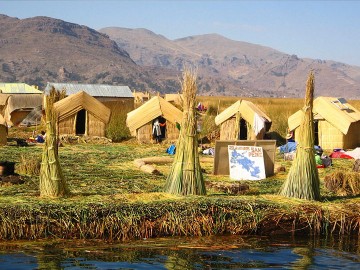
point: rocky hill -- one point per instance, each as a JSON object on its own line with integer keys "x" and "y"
{"x": 41, "y": 49}
{"x": 229, "y": 67}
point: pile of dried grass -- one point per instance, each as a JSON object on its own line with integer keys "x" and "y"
{"x": 343, "y": 183}
{"x": 29, "y": 165}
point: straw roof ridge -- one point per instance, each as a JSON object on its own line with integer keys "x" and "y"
{"x": 81, "y": 100}
{"x": 150, "y": 110}
{"x": 337, "y": 111}
{"x": 247, "y": 109}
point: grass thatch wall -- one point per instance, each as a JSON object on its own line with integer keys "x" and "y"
{"x": 331, "y": 138}
{"x": 3, "y": 135}
{"x": 94, "y": 126}
{"x": 227, "y": 130}
{"x": 67, "y": 126}
{"x": 352, "y": 138}
{"x": 144, "y": 134}
{"x": 172, "y": 133}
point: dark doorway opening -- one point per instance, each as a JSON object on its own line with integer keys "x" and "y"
{"x": 243, "y": 130}
{"x": 316, "y": 132}
{"x": 80, "y": 122}
{"x": 159, "y": 129}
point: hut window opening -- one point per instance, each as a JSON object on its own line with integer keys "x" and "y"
{"x": 316, "y": 132}
{"x": 243, "y": 130}
{"x": 80, "y": 122}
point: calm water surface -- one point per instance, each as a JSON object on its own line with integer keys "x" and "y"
{"x": 220, "y": 252}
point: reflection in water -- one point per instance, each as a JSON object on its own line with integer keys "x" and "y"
{"x": 221, "y": 252}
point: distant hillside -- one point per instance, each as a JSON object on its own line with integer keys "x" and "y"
{"x": 41, "y": 49}
{"x": 228, "y": 67}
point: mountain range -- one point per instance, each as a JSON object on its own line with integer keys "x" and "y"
{"x": 41, "y": 49}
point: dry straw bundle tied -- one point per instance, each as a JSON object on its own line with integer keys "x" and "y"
{"x": 52, "y": 182}
{"x": 303, "y": 179}
{"x": 185, "y": 177}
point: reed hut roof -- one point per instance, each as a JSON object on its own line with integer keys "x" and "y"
{"x": 248, "y": 110}
{"x": 18, "y": 103}
{"x": 150, "y": 110}
{"x": 95, "y": 90}
{"x": 81, "y": 100}
{"x": 23, "y": 102}
{"x": 18, "y": 88}
{"x": 336, "y": 111}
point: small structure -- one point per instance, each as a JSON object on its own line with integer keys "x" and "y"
{"x": 174, "y": 98}
{"x": 141, "y": 121}
{"x": 336, "y": 123}
{"x": 17, "y": 100}
{"x": 140, "y": 97}
{"x": 118, "y": 98}
{"x": 243, "y": 121}
{"x": 81, "y": 114}
{"x": 3, "y": 131}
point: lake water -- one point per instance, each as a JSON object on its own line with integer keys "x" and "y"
{"x": 220, "y": 252}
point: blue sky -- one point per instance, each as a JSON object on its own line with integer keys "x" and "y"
{"x": 327, "y": 30}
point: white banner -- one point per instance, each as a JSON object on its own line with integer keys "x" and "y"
{"x": 246, "y": 162}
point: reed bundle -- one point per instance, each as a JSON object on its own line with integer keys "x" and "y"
{"x": 303, "y": 179}
{"x": 185, "y": 176}
{"x": 52, "y": 182}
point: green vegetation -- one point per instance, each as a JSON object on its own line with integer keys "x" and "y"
{"x": 110, "y": 198}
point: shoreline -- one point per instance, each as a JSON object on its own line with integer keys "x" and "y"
{"x": 196, "y": 216}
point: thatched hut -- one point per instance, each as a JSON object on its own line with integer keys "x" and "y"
{"x": 336, "y": 123}
{"x": 17, "y": 100}
{"x": 3, "y": 131}
{"x": 141, "y": 121}
{"x": 81, "y": 114}
{"x": 243, "y": 121}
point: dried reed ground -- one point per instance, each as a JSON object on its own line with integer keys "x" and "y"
{"x": 105, "y": 177}
{"x": 112, "y": 199}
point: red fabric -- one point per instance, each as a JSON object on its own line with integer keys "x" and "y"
{"x": 339, "y": 155}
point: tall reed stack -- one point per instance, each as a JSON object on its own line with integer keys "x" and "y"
{"x": 185, "y": 177}
{"x": 303, "y": 179}
{"x": 52, "y": 182}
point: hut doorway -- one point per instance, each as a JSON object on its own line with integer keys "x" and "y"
{"x": 159, "y": 129}
{"x": 316, "y": 132}
{"x": 243, "y": 130}
{"x": 80, "y": 125}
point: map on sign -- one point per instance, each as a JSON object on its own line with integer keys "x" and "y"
{"x": 246, "y": 162}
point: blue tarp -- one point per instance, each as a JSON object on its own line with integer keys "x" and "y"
{"x": 288, "y": 147}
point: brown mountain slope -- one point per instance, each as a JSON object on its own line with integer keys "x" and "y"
{"x": 238, "y": 68}
{"x": 41, "y": 49}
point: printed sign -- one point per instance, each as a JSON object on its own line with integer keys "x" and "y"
{"x": 246, "y": 162}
